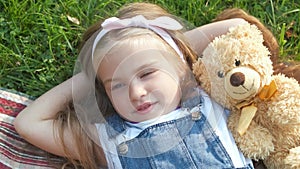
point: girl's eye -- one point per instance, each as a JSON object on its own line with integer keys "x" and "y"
{"x": 117, "y": 86}
{"x": 146, "y": 73}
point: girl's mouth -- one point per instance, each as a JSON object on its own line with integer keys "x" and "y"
{"x": 144, "y": 108}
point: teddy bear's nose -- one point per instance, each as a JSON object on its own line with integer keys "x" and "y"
{"x": 237, "y": 79}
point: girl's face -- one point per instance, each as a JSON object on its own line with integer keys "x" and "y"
{"x": 140, "y": 82}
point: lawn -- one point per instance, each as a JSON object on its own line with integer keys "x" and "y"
{"x": 39, "y": 39}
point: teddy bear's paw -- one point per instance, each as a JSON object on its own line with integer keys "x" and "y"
{"x": 257, "y": 148}
{"x": 284, "y": 159}
{"x": 293, "y": 158}
{"x": 284, "y": 108}
{"x": 256, "y": 143}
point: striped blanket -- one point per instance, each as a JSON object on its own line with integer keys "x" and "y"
{"x": 15, "y": 152}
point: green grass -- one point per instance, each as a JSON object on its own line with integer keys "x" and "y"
{"x": 38, "y": 44}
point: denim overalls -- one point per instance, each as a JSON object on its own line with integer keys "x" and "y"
{"x": 189, "y": 142}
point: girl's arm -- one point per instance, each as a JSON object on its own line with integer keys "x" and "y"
{"x": 200, "y": 37}
{"x": 36, "y": 122}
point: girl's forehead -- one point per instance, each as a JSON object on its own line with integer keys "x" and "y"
{"x": 127, "y": 59}
{"x": 135, "y": 48}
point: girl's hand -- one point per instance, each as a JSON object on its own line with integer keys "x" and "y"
{"x": 200, "y": 37}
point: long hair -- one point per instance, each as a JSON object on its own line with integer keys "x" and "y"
{"x": 90, "y": 154}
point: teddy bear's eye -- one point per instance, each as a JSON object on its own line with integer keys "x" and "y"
{"x": 237, "y": 62}
{"x": 221, "y": 74}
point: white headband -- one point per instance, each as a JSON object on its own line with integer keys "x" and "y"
{"x": 157, "y": 25}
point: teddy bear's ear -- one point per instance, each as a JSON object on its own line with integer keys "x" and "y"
{"x": 209, "y": 71}
{"x": 200, "y": 68}
{"x": 201, "y": 74}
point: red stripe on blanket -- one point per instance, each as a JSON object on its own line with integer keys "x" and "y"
{"x": 2, "y": 166}
{"x": 10, "y": 108}
{"x": 9, "y": 130}
{"x": 18, "y": 158}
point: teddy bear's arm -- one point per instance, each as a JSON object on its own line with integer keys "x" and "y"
{"x": 284, "y": 107}
{"x": 256, "y": 143}
{"x": 284, "y": 159}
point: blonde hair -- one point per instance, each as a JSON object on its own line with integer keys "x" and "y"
{"x": 90, "y": 154}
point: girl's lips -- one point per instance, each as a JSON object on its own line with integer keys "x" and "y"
{"x": 144, "y": 108}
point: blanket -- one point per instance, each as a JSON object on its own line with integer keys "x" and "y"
{"x": 15, "y": 152}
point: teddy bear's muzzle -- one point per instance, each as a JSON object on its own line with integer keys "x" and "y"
{"x": 242, "y": 82}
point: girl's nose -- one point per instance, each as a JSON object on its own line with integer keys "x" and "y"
{"x": 137, "y": 90}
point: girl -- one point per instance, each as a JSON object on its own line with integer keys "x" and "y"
{"x": 135, "y": 99}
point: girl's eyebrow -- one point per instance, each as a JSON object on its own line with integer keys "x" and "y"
{"x": 150, "y": 64}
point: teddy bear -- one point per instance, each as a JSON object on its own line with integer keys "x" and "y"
{"x": 236, "y": 71}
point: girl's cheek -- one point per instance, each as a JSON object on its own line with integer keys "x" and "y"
{"x": 119, "y": 96}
